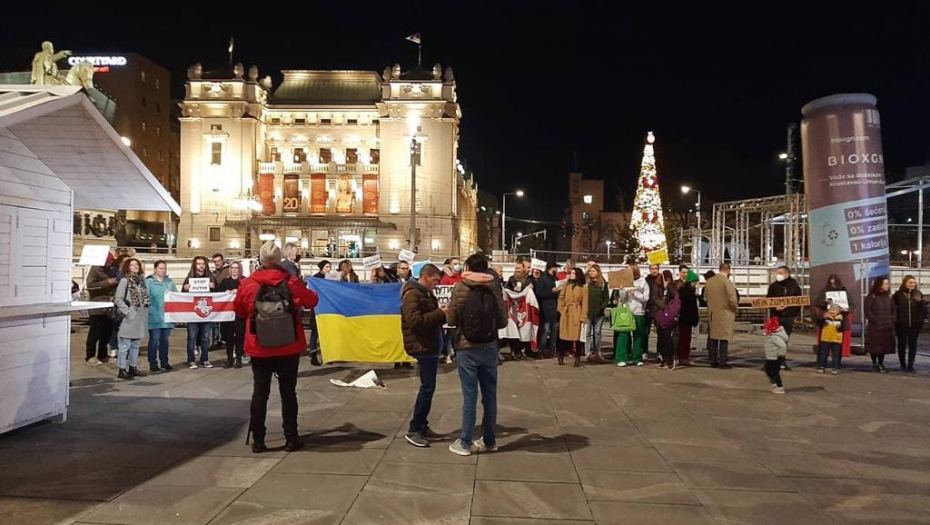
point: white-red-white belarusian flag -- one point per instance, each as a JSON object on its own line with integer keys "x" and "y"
{"x": 213, "y": 307}
{"x": 522, "y": 316}
{"x": 415, "y": 38}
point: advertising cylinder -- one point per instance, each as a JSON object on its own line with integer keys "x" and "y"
{"x": 844, "y": 178}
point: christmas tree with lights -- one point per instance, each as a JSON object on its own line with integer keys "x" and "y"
{"x": 646, "y": 222}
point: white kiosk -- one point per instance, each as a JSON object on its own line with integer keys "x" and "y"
{"x": 57, "y": 154}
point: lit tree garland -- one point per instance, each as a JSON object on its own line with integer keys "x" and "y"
{"x": 646, "y": 222}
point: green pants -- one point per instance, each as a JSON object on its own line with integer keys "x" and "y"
{"x": 622, "y": 350}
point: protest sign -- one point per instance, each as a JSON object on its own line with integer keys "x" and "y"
{"x": 775, "y": 302}
{"x": 94, "y": 255}
{"x": 370, "y": 263}
{"x": 198, "y": 285}
{"x": 406, "y": 256}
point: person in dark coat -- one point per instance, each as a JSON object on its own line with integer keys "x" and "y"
{"x": 233, "y": 331}
{"x": 689, "y": 317}
{"x": 325, "y": 267}
{"x": 101, "y": 285}
{"x": 548, "y": 298}
{"x": 785, "y": 286}
{"x": 651, "y": 281}
{"x": 911, "y": 307}
{"x": 880, "y": 314}
{"x": 421, "y": 320}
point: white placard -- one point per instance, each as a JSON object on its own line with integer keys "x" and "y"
{"x": 406, "y": 256}
{"x": 333, "y": 276}
{"x": 94, "y": 255}
{"x": 538, "y": 264}
{"x": 198, "y": 285}
{"x": 839, "y": 298}
{"x": 562, "y": 283}
{"x": 443, "y": 294}
{"x": 372, "y": 262}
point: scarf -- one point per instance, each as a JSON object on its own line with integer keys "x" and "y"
{"x": 138, "y": 293}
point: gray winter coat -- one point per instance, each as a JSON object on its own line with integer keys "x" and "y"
{"x": 135, "y": 324}
{"x": 776, "y": 345}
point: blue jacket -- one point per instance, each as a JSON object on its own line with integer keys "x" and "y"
{"x": 157, "y": 296}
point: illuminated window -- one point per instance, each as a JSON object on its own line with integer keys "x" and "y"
{"x": 375, "y": 155}
{"x": 216, "y": 153}
{"x": 145, "y": 151}
{"x": 159, "y": 155}
{"x": 157, "y": 84}
{"x": 585, "y": 216}
{"x": 300, "y": 155}
{"x": 326, "y": 155}
{"x": 143, "y": 126}
{"x": 142, "y": 75}
{"x": 588, "y": 199}
{"x": 351, "y": 156}
{"x": 157, "y": 131}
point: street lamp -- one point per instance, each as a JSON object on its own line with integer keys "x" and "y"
{"x": 783, "y": 156}
{"x": 518, "y": 193}
{"x": 413, "y": 126}
{"x": 688, "y": 189}
{"x": 910, "y": 256}
{"x": 609, "y": 244}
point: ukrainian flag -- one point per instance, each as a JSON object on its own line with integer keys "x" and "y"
{"x": 359, "y": 322}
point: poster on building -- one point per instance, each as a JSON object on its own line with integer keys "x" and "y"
{"x": 291, "y": 193}
{"x": 345, "y": 196}
{"x": 370, "y": 194}
{"x": 318, "y": 193}
{"x": 266, "y": 193}
{"x": 844, "y": 181}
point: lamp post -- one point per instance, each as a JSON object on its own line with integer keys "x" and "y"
{"x": 247, "y": 203}
{"x": 518, "y": 193}
{"x": 910, "y": 256}
{"x": 413, "y": 125}
{"x": 609, "y": 244}
{"x": 688, "y": 189}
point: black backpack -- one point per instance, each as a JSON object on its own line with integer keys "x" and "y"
{"x": 478, "y": 319}
{"x": 273, "y": 316}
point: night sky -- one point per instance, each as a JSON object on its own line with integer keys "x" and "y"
{"x": 541, "y": 81}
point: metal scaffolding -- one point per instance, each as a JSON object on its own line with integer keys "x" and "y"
{"x": 737, "y": 224}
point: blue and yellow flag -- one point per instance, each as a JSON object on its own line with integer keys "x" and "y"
{"x": 359, "y": 322}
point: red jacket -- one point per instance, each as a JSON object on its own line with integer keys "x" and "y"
{"x": 245, "y": 305}
{"x": 450, "y": 280}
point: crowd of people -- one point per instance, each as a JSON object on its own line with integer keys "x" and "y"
{"x": 574, "y": 305}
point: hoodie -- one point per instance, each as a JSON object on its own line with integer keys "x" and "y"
{"x": 776, "y": 344}
{"x": 245, "y": 307}
{"x": 460, "y": 293}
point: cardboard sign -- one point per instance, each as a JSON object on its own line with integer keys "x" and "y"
{"x": 198, "y": 285}
{"x": 406, "y": 256}
{"x": 372, "y": 262}
{"x": 775, "y": 302}
{"x": 561, "y": 284}
{"x": 538, "y": 264}
{"x": 658, "y": 257}
{"x": 94, "y": 255}
{"x": 443, "y": 294}
{"x": 621, "y": 278}
{"x": 838, "y": 297}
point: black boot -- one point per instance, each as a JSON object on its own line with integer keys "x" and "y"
{"x": 238, "y": 363}
{"x": 577, "y": 359}
{"x": 228, "y": 364}
{"x": 258, "y": 445}
{"x": 293, "y": 443}
{"x": 123, "y": 374}
{"x": 134, "y": 372}
{"x": 315, "y": 359}
{"x": 561, "y": 359}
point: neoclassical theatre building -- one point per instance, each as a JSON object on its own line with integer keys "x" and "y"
{"x": 323, "y": 160}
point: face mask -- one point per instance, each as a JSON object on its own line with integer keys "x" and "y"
{"x": 457, "y": 268}
{"x": 780, "y": 277}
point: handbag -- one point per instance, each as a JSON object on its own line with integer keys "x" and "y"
{"x": 622, "y": 319}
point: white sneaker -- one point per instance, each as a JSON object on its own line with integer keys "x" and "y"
{"x": 640, "y": 364}
{"x": 459, "y": 449}
{"x": 208, "y": 364}
{"x": 113, "y": 353}
{"x": 93, "y": 361}
{"x": 479, "y": 446}
{"x": 778, "y": 390}
{"x": 621, "y": 364}
{"x": 192, "y": 365}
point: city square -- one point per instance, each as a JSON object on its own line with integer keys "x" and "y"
{"x": 463, "y": 265}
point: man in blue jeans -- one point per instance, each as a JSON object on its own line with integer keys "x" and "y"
{"x": 421, "y": 320}
{"x": 199, "y": 333}
{"x": 477, "y": 310}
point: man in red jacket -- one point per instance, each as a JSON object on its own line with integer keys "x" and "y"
{"x": 280, "y": 360}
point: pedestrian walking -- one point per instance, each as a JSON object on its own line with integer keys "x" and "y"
{"x": 776, "y": 346}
